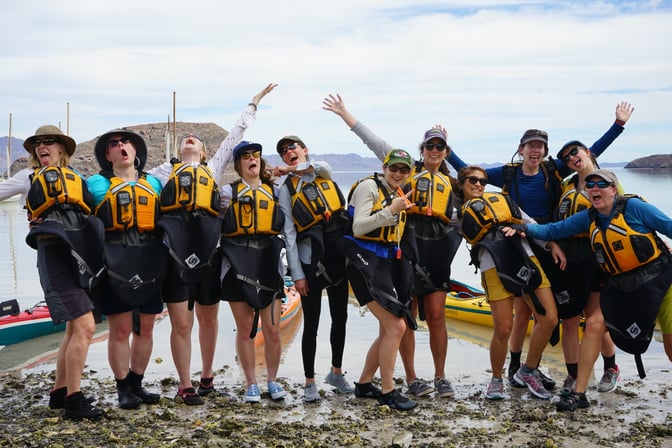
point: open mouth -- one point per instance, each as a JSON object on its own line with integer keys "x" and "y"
{"x": 124, "y": 153}
{"x": 293, "y": 158}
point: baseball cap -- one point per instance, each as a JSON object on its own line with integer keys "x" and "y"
{"x": 398, "y": 156}
{"x": 604, "y": 175}
{"x": 288, "y": 138}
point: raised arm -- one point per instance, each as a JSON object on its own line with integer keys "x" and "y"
{"x": 224, "y": 154}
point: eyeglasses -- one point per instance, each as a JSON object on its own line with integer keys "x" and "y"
{"x": 45, "y": 141}
{"x": 573, "y": 152}
{"x": 439, "y": 146}
{"x": 401, "y": 169}
{"x": 250, "y": 155}
{"x": 473, "y": 180}
{"x": 197, "y": 137}
{"x": 291, "y": 147}
{"x": 117, "y": 142}
{"x": 598, "y": 184}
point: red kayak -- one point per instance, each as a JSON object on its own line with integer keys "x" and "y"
{"x": 17, "y": 326}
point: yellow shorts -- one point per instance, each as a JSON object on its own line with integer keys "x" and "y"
{"x": 665, "y": 313}
{"x": 494, "y": 288}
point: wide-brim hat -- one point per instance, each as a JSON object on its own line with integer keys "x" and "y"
{"x": 49, "y": 130}
{"x": 138, "y": 142}
{"x": 288, "y": 138}
{"x": 245, "y": 146}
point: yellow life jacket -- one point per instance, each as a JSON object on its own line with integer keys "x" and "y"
{"x": 252, "y": 211}
{"x": 126, "y": 206}
{"x": 190, "y": 189}
{"x": 54, "y": 187}
{"x": 620, "y": 248}
{"x": 572, "y": 201}
{"x": 387, "y": 234}
{"x": 313, "y": 202}
{"x": 487, "y": 213}
{"x": 432, "y": 194}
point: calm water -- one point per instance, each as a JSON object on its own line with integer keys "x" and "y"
{"x": 18, "y": 279}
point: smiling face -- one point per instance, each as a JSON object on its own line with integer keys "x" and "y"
{"x": 578, "y": 159}
{"x": 192, "y": 149}
{"x": 470, "y": 181}
{"x": 48, "y": 151}
{"x": 396, "y": 175}
{"x": 533, "y": 153}
{"x": 293, "y": 153}
{"x": 120, "y": 151}
{"x": 601, "y": 196}
{"x": 433, "y": 153}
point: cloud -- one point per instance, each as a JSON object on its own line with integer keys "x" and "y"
{"x": 487, "y": 70}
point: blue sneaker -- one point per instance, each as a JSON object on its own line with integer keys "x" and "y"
{"x": 276, "y": 390}
{"x": 253, "y": 395}
{"x": 339, "y": 382}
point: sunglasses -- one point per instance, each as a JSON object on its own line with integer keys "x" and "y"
{"x": 250, "y": 155}
{"x": 117, "y": 142}
{"x": 598, "y": 184}
{"x": 573, "y": 152}
{"x": 197, "y": 137}
{"x": 473, "y": 180}
{"x": 439, "y": 146}
{"x": 402, "y": 169}
{"x": 44, "y": 141}
{"x": 288, "y": 148}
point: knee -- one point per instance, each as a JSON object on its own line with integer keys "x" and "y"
{"x": 182, "y": 327}
{"x": 502, "y": 332}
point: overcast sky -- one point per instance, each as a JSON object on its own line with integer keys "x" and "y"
{"x": 486, "y": 70}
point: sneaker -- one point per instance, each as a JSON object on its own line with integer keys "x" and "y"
{"x": 276, "y": 390}
{"x": 609, "y": 379}
{"x": 569, "y": 383}
{"x": 511, "y": 373}
{"x": 495, "y": 389}
{"x": 570, "y": 401}
{"x": 253, "y": 395}
{"x": 419, "y": 388}
{"x": 396, "y": 400}
{"x": 533, "y": 384}
{"x": 310, "y": 393}
{"x": 206, "y": 386}
{"x": 443, "y": 388}
{"x": 189, "y": 396}
{"x": 366, "y": 390}
{"x": 548, "y": 383}
{"x": 339, "y": 382}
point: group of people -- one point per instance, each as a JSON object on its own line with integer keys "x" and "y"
{"x": 392, "y": 239}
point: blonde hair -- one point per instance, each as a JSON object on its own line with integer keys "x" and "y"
{"x": 64, "y": 159}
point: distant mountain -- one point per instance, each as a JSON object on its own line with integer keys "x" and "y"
{"x": 657, "y": 161}
{"x": 17, "y": 151}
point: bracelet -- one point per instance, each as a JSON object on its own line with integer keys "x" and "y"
{"x": 253, "y": 105}
{"x": 620, "y": 122}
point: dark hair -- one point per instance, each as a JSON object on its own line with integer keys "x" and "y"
{"x": 264, "y": 174}
{"x": 462, "y": 175}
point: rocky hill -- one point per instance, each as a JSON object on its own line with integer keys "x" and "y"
{"x": 657, "y": 161}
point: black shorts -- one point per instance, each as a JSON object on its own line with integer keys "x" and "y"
{"x": 208, "y": 292}
{"x": 65, "y": 299}
{"x": 111, "y": 304}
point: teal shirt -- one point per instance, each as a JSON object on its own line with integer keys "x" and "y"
{"x": 98, "y": 186}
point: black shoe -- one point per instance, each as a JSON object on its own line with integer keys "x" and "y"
{"x": 127, "y": 399}
{"x": 511, "y": 373}
{"x": 570, "y": 401}
{"x": 57, "y": 398}
{"x": 135, "y": 382}
{"x": 77, "y": 408}
{"x": 190, "y": 397}
{"x": 366, "y": 390}
{"x": 397, "y": 401}
{"x": 206, "y": 386}
{"x": 549, "y": 383}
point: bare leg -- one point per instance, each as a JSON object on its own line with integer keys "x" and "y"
{"x": 181, "y": 324}
{"x": 502, "y": 316}
{"x": 208, "y": 328}
{"x": 543, "y": 329}
{"x": 243, "y": 315}
{"x": 393, "y": 328}
{"x": 118, "y": 347}
{"x": 272, "y": 348}
{"x": 407, "y": 348}
{"x": 83, "y": 328}
{"x": 142, "y": 345}
{"x": 438, "y": 335}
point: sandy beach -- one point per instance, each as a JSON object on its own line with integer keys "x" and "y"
{"x": 636, "y": 414}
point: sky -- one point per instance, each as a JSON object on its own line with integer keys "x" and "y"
{"x": 486, "y": 70}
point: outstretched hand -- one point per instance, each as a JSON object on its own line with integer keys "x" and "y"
{"x": 265, "y": 91}
{"x": 334, "y": 104}
{"x": 513, "y": 229}
{"x": 623, "y": 111}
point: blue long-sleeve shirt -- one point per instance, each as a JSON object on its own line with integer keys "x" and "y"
{"x": 531, "y": 194}
{"x": 641, "y": 216}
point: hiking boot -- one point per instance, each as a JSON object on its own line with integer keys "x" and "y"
{"x": 569, "y": 383}
{"x": 127, "y": 400}
{"x": 339, "y": 382}
{"x": 570, "y": 401}
{"x": 396, "y": 400}
{"x": 206, "y": 386}
{"x": 135, "y": 380}
{"x": 495, "y": 389}
{"x": 310, "y": 393}
{"x": 533, "y": 383}
{"x": 77, "y": 407}
{"x": 189, "y": 396}
{"x": 548, "y": 383}
{"x": 366, "y": 390}
{"x": 511, "y": 373}
{"x": 419, "y": 388}
{"x": 252, "y": 395}
{"x": 276, "y": 390}
{"x": 609, "y": 380}
{"x": 443, "y": 388}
